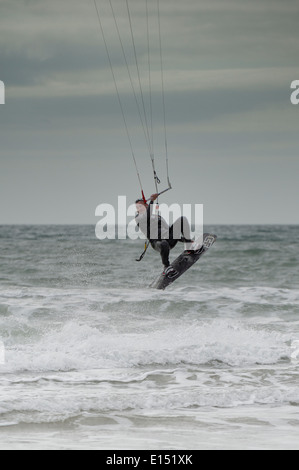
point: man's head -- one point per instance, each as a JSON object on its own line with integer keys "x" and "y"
{"x": 141, "y": 206}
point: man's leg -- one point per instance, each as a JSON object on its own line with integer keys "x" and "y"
{"x": 181, "y": 231}
{"x": 162, "y": 246}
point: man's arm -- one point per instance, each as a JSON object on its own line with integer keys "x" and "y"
{"x": 151, "y": 204}
{"x": 154, "y": 197}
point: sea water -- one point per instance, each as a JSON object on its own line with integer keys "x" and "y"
{"x": 92, "y": 358}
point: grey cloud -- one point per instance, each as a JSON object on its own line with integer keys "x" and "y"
{"x": 228, "y": 65}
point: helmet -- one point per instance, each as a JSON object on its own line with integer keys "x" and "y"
{"x": 140, "y": 201}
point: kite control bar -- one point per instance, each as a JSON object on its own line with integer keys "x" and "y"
{"x": 162, "y": 192}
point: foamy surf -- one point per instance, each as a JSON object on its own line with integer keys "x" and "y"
{"x": 102, "y": 359}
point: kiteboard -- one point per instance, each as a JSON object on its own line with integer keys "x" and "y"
{"x": 184, "y": 262}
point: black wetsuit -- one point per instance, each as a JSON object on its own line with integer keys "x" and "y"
{"x": 162, "y": 237}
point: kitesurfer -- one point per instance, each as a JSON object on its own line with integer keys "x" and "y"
{"x": 162, "y": 237}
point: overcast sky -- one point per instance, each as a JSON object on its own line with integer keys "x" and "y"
{"x": 232, "y": 131}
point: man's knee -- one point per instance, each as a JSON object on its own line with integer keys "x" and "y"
{"x": 185, "y": 225}
{"x": 184, "y": 221}
{"x": 179, "y": 227}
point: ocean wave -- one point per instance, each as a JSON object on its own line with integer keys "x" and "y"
{"x": 58, "y": 403}
{"x": 76, "y": 345}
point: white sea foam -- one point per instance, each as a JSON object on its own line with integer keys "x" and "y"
{"x": 75, "y": 345}
{"x": 89, "y": 347}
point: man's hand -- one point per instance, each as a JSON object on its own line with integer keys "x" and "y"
{"x": 154, "y": 197}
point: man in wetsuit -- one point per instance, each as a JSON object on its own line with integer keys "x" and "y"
{"x": 162, "y": 237}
